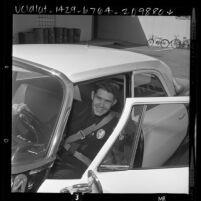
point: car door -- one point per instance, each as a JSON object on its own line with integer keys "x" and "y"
{"x": 135, "y": 159}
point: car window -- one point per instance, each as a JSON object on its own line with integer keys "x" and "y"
{"x": 154, "y": 136}
{"x": 120, "y": 155}
{"x": 36, "y": 103}
{"x": 82, "y": 91}
{"x": 148, "y": 85}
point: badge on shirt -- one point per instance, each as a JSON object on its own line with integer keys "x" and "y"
{"x": 100, "y": 134}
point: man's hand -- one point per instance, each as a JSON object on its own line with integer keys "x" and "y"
{"x": 17, "y": 108}
{"x": 27, "y": 118}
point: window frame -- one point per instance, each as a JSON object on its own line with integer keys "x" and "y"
{"x": 157, "y": 73}
{"x": 124, "y": 78}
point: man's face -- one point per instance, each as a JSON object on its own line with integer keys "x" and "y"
{"x": 102, "y": 101}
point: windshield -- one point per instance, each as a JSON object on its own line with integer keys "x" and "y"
{"x": 36, "y": 104}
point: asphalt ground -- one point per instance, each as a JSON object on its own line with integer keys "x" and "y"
{"x": 177, "y": 59}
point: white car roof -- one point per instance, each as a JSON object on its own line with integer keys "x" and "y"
{"x": 83, "y": 62}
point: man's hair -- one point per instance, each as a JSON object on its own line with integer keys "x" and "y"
{"x": 108, "y": 86}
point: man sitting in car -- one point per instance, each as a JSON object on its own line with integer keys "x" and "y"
{"x": 90, "y": 126}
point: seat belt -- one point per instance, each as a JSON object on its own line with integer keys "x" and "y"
{"x": 81, "y": 134}
{"x": 82, "y": 158}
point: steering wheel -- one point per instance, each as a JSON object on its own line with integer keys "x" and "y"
{"x": 27, "y": 126}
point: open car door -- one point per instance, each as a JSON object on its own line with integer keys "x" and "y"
{"x": 148, "y": 150}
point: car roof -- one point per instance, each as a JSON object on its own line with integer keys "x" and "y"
{"x": 83, "y": 62}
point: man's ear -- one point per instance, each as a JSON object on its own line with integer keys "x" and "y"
{"x": 92, "y": 95}
{"x": 114, "y": 102}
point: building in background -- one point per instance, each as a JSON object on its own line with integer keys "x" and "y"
{"x": 131, "y": 29}
{"x": 167, "y": 27}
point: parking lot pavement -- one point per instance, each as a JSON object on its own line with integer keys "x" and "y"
{"x": 177, "y": 59}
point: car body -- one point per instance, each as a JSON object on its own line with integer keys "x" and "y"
{"x": 50, "y": 77}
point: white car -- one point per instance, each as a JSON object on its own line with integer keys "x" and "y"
{"x": 48, "y": 78}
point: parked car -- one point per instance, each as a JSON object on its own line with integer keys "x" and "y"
{"x": 49, "y": 78}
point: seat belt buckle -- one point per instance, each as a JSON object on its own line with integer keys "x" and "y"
{"x": 82, "y": 135}
{"x": 67, "y": 146}
{"x": 82, "y": 158}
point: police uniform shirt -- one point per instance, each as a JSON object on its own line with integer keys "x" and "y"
{"x": 83, "y": 117}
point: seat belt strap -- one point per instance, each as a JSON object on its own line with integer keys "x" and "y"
{"x": 82, "y": 158}
{"x": 83, "y": 133}
{"x": 106, "y": 120}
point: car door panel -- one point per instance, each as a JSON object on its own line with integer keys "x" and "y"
{"x": 152, "y": 177}
{"x": 173, "y": 180}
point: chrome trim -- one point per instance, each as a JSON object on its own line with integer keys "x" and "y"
{"x": 135, "y": 145}
{"x": 157, "y": 73}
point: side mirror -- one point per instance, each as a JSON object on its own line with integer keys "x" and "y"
{"x": 93, "y": 186}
